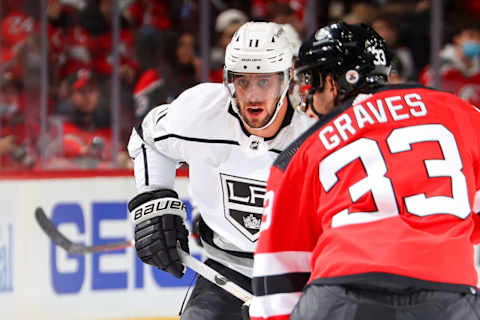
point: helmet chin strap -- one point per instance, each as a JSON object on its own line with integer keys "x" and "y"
{"x": 277, "y": 109}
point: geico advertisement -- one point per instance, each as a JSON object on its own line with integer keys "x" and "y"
{"x": 42, "y": 281}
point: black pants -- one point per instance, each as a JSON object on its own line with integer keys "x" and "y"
{"x": 210, "y": 302}
{"x": 322, "y": 302}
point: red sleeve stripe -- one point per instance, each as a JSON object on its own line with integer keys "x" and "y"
{"x": 273, "y": 305}
{"x": 269, "y": 264}
{"x": 476, "y": 204}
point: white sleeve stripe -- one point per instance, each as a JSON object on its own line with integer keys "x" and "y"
{"x": 158, "y": 207}
{"x": 274, "y": 305}
{"x": 476, "y": 202}
{"x": 267, "y": 264}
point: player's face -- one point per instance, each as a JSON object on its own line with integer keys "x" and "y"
{"x": 85, "y": 99}
{"x": 257, "y": 96}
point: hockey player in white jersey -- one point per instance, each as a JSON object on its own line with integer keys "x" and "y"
{"x": 229, "y": 135}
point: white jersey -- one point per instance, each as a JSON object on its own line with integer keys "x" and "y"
{"x": 228, "y": 167}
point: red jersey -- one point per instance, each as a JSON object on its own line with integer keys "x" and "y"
{"x": 381, "y": 193}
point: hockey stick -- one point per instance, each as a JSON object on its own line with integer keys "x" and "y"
{"x": 77, "y": 248}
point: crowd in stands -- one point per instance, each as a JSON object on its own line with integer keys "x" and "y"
{"x": 158, "y": 56}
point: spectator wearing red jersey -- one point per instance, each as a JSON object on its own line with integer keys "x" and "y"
{"x": 85, "y": 134}
{"x": 460, "y": 66}
{"x": 17, "y": 27}
{"x": 21, "y": 38}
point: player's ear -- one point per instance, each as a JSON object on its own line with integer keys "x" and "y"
{"x": 331, "y": 85}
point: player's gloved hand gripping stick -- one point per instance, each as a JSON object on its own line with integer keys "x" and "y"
{"x": 159, "y": 225}
{"x": 77, "y": 248}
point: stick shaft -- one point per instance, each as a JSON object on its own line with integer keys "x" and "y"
{"x": 77, "y": 248}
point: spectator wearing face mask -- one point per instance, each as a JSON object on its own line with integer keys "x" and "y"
{"x": 460, "y": 66}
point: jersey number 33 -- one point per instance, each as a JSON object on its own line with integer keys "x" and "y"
{"x": 380, "y": 186}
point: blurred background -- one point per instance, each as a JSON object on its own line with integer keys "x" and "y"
{"x": 75, "y": 75}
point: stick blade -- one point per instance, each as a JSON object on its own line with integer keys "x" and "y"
{"x": 51, "y": 231}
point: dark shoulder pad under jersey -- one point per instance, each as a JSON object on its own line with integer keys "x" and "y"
{"x": 284, "y": 158}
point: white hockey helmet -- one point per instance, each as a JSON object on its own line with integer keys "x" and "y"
{"x": 293, "y": 38}
{"x": 258, "y": 47}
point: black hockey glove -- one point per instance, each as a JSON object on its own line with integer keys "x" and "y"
{"x": 159, "y": 224}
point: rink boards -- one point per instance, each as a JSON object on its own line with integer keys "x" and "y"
{"x": 40, "y": 281}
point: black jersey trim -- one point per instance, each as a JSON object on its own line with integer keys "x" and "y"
{"x": 284, "y": 283}
{"x": 392, "y": 283}
{"x": 276, "y": 151}
{"x": 161, "y": 117}
{"x": 220, "y": 141}
{"x": 145, "y": 164}
{"x": 286, "y": 156}
{"x": 162, "y": 113}
{"x": 206, "y": 234}
{"x": 139, "y": 125}
{"x": 202, "y": 140}
{"x": 139, "y": 128}
{"x": 234, "y": 276}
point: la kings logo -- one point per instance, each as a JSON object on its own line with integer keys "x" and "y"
{"x": 243, "y": 203}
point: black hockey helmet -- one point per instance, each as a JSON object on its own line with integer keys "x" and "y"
{"x": 354, "y": 54}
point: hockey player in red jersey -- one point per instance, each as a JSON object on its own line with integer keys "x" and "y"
{"x": 372, "y": 211}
